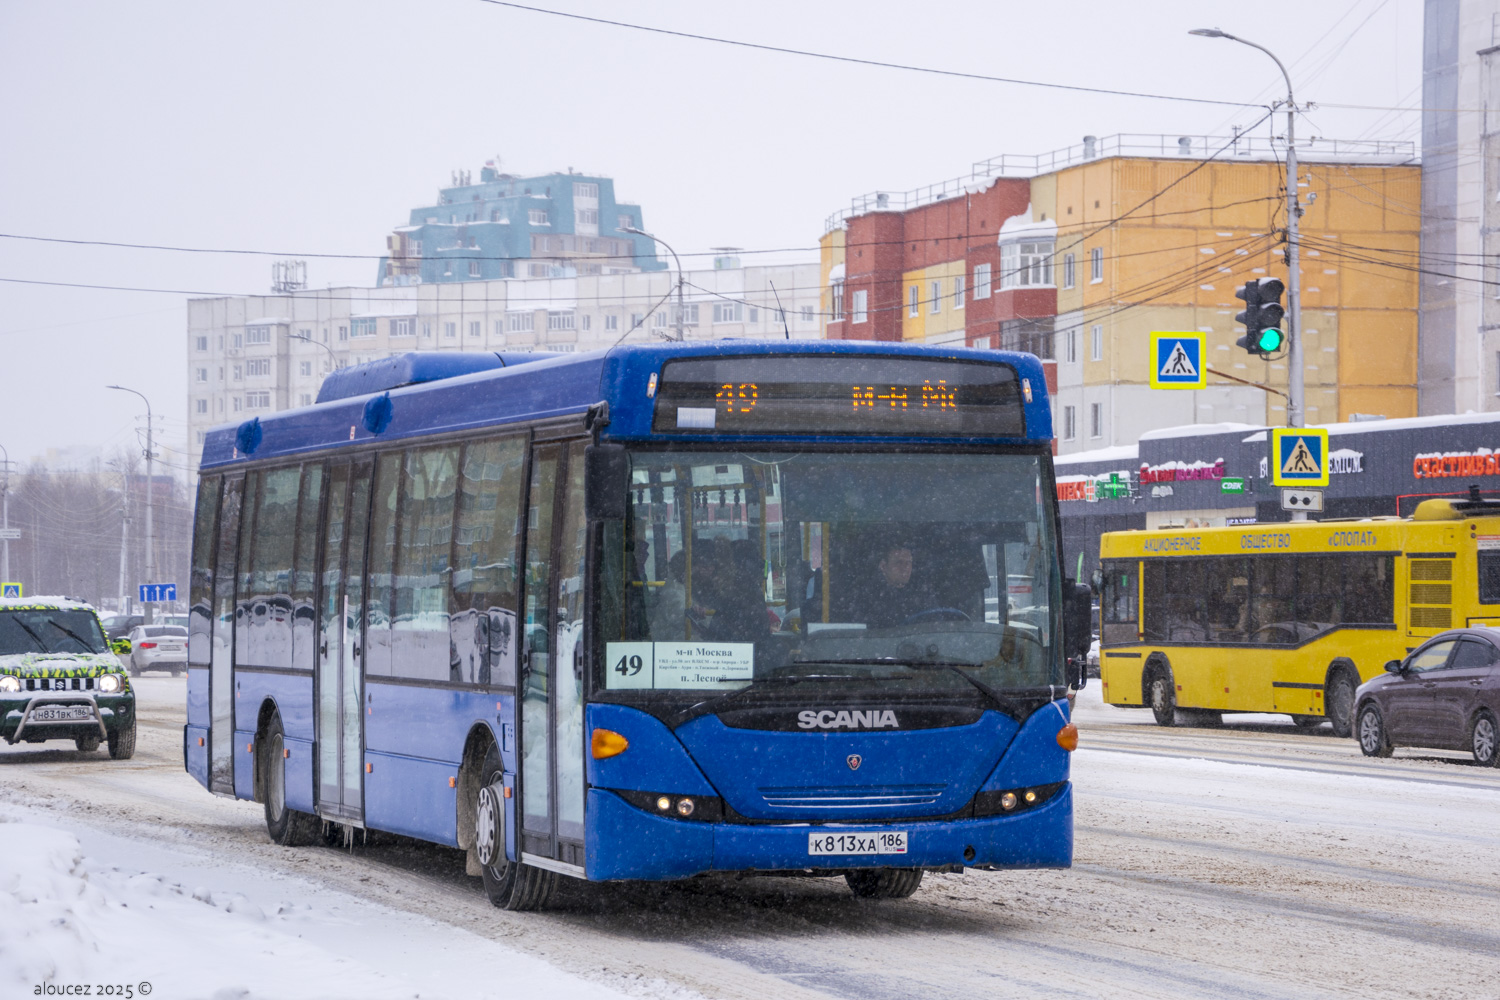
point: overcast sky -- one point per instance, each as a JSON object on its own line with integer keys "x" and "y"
{"x": 314, "y": 126}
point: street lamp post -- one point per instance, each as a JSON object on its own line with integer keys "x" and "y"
{"x": 333, "y": 358}
{"x": 649, "y": 236}
{"x": 1295, "y": 408}
{"x": 150, "y": 457}
{"x": 5, "y": 517}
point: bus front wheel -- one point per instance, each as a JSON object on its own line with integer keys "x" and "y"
{"x": 1338, "y": 703}
{"x": 884, "y": 883}
{"x": 1163, "y": 698}
{"x": 508, "y": 884}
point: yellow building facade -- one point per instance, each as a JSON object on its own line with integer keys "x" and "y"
{"x": 1157, "y": 243}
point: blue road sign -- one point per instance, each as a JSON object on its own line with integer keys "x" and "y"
{"x": 1177, "y": 361}
{"x": 151, "y": 593}
{"x": 10, "y": 590}
{"x": 1300, "y": 456}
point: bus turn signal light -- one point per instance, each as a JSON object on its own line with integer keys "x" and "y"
{"x": 1067, "y": 737}
{"x": 607, "y": 743}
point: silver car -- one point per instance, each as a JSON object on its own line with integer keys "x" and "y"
{"x": 158, "y": 647}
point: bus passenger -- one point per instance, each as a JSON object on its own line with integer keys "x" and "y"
{"x": 668, "y": 613}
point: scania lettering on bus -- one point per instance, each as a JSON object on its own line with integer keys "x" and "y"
{"x": 828, "y": 719}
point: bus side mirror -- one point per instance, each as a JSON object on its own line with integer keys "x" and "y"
{"x": 1078, "y": 629}
{"x": 1393, "y": 667}
{"x": 606, "y": 482}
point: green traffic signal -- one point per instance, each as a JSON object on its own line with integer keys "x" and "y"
{"x": 1269, "y": 340}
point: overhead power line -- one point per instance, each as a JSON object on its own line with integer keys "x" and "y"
{"x": 856, "y": 60}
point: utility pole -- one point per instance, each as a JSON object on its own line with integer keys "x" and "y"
{"x": 680, "y": 308}
{"x": 5, "y": 517}
{"x": 150, "y": 535}
{"x": 1295, "y": 407}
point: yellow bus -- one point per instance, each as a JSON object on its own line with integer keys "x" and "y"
{"x": 1290, "y": 617}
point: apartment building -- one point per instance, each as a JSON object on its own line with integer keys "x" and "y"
{"x": 250, "y": 355}
{"x": 506, "y": 226}
{"x": 1079, "y": 254}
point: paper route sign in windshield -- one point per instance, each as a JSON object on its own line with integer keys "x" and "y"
{"x": 720, "y": 666}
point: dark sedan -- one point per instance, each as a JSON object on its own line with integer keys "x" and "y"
{"x": 1445, "y": 695}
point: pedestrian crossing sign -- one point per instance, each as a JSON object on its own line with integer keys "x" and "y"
{"x": 1299, "y": 456}
{"x": 1177, "y": 361}
{"x": 9, "y": 590}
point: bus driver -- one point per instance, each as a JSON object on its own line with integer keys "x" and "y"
{"x": 892, "y": 598}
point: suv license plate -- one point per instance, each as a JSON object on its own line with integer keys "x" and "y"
{"x": 62, "y": 713}
{"x": 880, "y": 842}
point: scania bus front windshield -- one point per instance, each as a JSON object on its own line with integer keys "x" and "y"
{"x": 738, "y": 568}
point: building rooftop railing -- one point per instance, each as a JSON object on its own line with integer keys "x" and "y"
{"x": 1196, "y": 147}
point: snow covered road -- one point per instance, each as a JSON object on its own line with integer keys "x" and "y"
{"x": 1252, "y": 861}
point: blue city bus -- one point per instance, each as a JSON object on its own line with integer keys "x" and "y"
{"x": 647, "y": 613}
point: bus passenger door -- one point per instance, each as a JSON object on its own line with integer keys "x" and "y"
{"x": 551, "y": 681}
{"x": 340, "y": 725}
{"x": 221, "y": 664}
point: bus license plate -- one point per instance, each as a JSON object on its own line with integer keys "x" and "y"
{"x": 882, "y": 842}
{"x": 62, "y": 713}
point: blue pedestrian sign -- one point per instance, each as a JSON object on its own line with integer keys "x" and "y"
{"x": 10, "y": 590}
{"x": 1177, "y": 361}
{"x": 152, "y": 593}
{"x": 1299, "y": 456}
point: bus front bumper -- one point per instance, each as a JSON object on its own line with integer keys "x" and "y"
{"x": 624, "y": 842}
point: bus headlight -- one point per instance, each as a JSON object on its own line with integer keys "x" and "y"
{"x": 1008, "y": 801}
{"x": 10, "y": 683}
{"x": 685, "y": 807}
{"x": 110, "y": 683}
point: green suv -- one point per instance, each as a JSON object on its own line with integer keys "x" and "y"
{"x": 60, "y": 678}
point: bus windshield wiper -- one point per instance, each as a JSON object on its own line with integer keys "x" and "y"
{"x": 1006, "y": 705}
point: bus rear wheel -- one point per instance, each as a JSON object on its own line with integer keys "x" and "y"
{"x": 1163, "y": 698}
{"x": 287, "y": 827}
{"x": 508, "y": 884}
{"x": 884, "y": 883}
{"x": 1338, "y": 703}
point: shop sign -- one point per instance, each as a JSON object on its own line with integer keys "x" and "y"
{"x": 1345, "y": 461}
{"x": 1178, "y": 472}
{"x": 1455, "y": 464}
{"x": 1161, "y": 491}
{"x": 1232, "y": 486}
{"x": 1111, "y": 486}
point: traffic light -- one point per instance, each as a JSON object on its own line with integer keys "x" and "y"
{"x": 1262, "y": 317}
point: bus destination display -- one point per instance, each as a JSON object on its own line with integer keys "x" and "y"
{"x": 840, "y": 395}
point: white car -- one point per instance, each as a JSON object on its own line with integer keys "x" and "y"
{"x": 1093, "y": 659}
{"x": 158, "y": 647}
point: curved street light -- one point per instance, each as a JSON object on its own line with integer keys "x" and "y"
{"x": 650, "y": 236}
{"x": 150, "y": 457}
{"x": 1295, "y": 375}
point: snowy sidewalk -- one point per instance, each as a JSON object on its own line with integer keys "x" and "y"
{"x": 79, "y": 907}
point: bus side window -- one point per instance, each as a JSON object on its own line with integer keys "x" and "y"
{"x": 1489, "y": 577}
{"x": 381, "y": 561}
{"x": 1369, "y": 589}
{"x": 485, "y": 579}
{"x": 421, "y": 643}
{"x": 269, "y": 570}
{"x": 1118, "y": 603}
{"x": 200, "y": 617}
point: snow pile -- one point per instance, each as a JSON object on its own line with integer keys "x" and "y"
{"x": 70, "y": 919}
